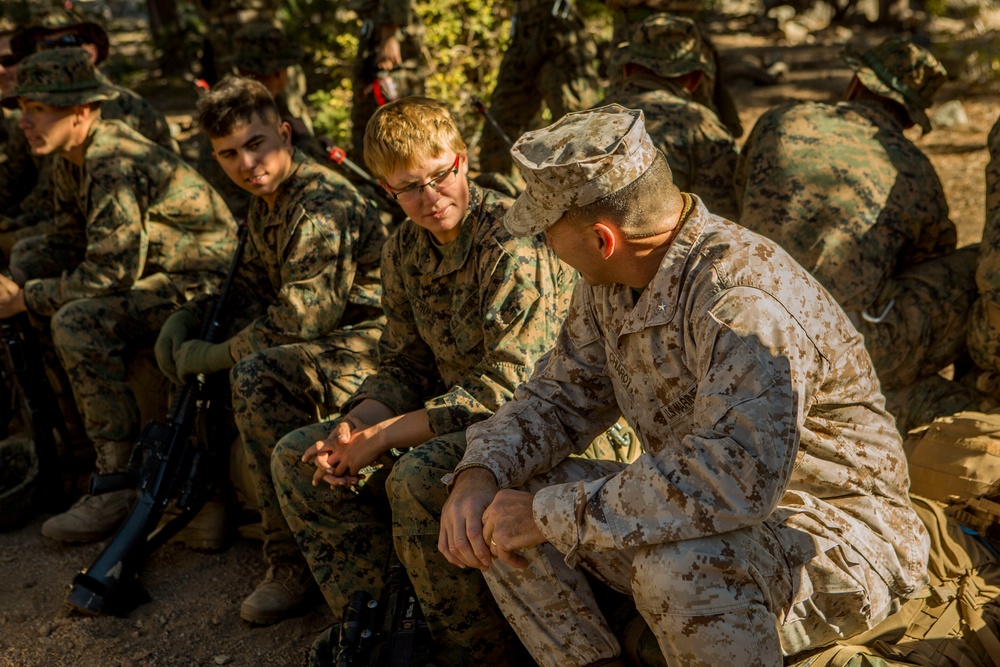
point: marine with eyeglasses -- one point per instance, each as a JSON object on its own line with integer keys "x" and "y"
{"x": 470, "y": 308}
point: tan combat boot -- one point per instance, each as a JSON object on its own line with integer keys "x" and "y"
{"x": 205, "y": 532}
{"x": 281, "y": 595}
{"x": 91, "y": 518}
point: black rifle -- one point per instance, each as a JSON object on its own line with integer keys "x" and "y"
{"x": 166, "y": 464}
{"x": 390, "y": 632}
{"x": 44, "y": 420}
{"x": 480, "y": 108}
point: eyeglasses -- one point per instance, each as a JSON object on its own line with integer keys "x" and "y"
{"x": 412, "y": 194}
{"x": 63, "y": 41}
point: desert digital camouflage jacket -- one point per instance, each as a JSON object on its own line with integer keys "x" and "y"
{"x": 133, "y": 209}
{"x": 751, "y": 394}
{"x": 699, "y": 149}
{"x": 311, "y": 264}
{"x": 845, "y": 193}
{"x": 466, "y": 321}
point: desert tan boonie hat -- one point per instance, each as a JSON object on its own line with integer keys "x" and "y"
{"x": 582, "y": 157}
{"x": 903, "y": 72}
{"x": 59, "y": 78}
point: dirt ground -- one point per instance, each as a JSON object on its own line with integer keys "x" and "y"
{"x": 193, "y": 617}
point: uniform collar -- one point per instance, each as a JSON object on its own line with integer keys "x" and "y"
{"x": 658, "y": 302}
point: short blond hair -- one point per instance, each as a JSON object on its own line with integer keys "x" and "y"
{"x": 407, "y": 133}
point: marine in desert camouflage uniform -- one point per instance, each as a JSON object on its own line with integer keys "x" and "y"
{"x": 768, "y": 511}
{"x": 307, "y": 311}
{"x": 137, "y": 232}
{"x": 854, "y": 201}
{"x": 551, "y": 58}
{"x": 26, "y": 187}
{"x": 665, "y": 62}
{"x": 470, "y": 308}
{"x": 263, "y": 52}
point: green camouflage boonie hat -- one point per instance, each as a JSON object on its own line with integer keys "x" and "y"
{"x": 261, "y": 48}
{"x": 60, "y": 78}
{"x": 668, "y": 45}
{"x": 43, "y": 26}
{"x": 582, "y": 157}
{"x": 903, "y": 72}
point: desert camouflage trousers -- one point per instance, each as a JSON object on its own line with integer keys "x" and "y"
{"x": 280, "y": 389}
{"x": 551, "y": 58}
{"x": 97, "y": 338}
{"x": 917, "y": 327}
{"x": 747, "y": 597}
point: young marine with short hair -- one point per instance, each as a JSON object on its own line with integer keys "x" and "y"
{"x": 470, "y": 308}
{"x": 307, "y": 314}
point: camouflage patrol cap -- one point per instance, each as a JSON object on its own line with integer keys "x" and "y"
{"x": 668, "y": 45}
{"x": 60, "y": 78}
{"x": 262, "y": 48}
{"x": 582, "y": 157}
{"x": 45, "y": 25}
{"x": 903, "y": 72}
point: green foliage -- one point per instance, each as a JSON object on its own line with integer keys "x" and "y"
{"x": 465, "y": 40}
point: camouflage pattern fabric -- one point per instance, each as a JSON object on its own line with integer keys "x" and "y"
{"x": 133, "y": 210}
{"x": 96, "y": 338}
{"x": 408, "y": 77}
{"x": 466, "y": 322}
{"x": 310, "y": 318}
{"x": 550, "y": 57}
{"x": 699, "y": 149}
{"x": 868, "y": 217}
{"x": 137, "y": 233}
{"x": 984, "y": 325}
{"x": 26, "y": 187}
{"x": 772, "y": 476}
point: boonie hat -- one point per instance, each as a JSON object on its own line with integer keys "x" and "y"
{"x": 262, "y": 48}
{"x": 46, "y": 25}
{"x": 60, "y": 78}
{"x": 668, "y": 45}
{"x": 903, "y": 72}
{"x": 582, "y": 157}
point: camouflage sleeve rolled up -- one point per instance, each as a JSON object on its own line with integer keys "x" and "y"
{"x": 314, "y": 256}
{"x": 984, "y": 325}
{"x": 472, "y": 325}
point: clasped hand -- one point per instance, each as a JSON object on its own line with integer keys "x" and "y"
{"x": 339, "y": 459}
{"x": 480, "y": 523}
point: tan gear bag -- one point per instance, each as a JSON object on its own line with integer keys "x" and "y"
{"x": 955, "y": 457}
